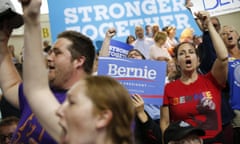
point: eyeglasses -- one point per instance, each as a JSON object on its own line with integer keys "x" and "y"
{"x": 3, "y": 138}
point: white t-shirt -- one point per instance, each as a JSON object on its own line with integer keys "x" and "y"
{"x": 156, "y": 52}
{"x": 143, "y": 45}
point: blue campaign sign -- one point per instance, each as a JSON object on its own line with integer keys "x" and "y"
{"x": 144, "y": 77}
{"x": 119, "y": 49}
{"x": 94, "y": 17}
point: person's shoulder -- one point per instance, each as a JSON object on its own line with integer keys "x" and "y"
{"x": 173, "y": 84}
{"x": 153, "y": 46}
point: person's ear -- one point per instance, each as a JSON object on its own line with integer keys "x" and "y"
{"x": 104, "y": 118}
{"x": 79, "y": 61}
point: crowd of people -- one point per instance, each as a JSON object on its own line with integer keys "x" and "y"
{"x": 57, "y": 96}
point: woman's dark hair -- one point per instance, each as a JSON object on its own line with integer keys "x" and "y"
{"x": 143, "y": 57}
{"x": 130, "y": 36}
{"x": 175, "y": 50}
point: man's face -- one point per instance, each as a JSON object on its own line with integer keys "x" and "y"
{"x": 155, "y": 28}
{"x": 139, "y": 32}
{"x": 6, "y": 133}
{"x": 60, "y": 64}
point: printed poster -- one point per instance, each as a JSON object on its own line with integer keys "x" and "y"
{"x": 143, "y": 77}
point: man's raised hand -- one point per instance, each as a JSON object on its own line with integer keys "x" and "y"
{"x": 31, "y": 10}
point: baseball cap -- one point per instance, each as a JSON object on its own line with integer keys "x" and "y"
{"x": 180, "y": 129}
{"x": 7, "y": 11}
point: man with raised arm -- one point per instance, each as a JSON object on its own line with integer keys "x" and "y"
{"x": 70, "y": 59}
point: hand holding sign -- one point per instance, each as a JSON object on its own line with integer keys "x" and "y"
{"x": 138, "y": 103}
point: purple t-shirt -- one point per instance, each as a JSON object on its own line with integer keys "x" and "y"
{"x": 28, "y": 126}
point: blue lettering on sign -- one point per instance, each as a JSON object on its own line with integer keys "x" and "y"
{"x": 213, "y": 4}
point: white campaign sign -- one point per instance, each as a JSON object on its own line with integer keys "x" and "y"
{"x": 217, "y": 7}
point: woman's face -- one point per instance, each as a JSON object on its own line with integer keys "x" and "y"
{"x": 130, "y": 40}
{"x": 77, "y": 117}
{"x": 172, "y": 33}
{"x": 161, "y": 42}
{"x": 135, "y": 55}
{"x": 171, "y": 66}
{"x": 229, "y": 36}
{"x": 187, "y": 58}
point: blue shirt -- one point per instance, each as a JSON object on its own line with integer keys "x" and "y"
{"x": 234, "y": 82}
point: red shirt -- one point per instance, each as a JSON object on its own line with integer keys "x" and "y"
{"x": 198, "y": 103}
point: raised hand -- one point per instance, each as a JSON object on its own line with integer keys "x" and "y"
{"x": 31, "y": 10}
{"x": 111, "y": 32}
{"x": 138, "y": 103}
{"x": 139, "y": 107}
{"x": 204, "y": 18}
{"x": 106, "y": 43}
